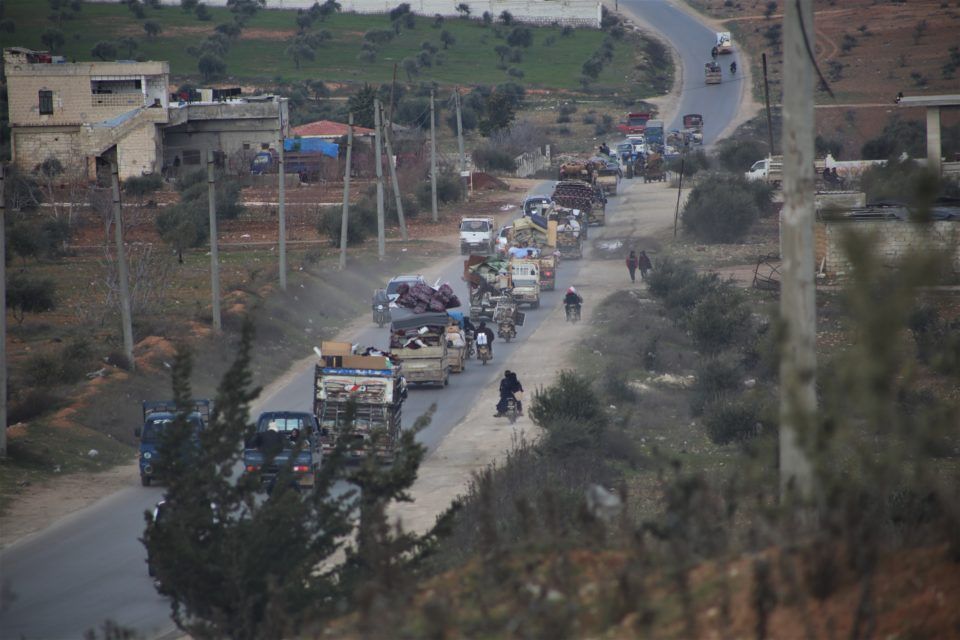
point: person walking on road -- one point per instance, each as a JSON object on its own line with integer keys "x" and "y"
{"x": 632, "y": 265}
{"x": 643, "y": 262}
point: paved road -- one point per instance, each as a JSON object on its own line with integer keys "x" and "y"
{"x": 90, "y": 566}
{"x": 693, "y": 41}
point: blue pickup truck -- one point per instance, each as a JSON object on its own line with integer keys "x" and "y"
{"x": 280, "y": 436}
{"x": 157, "y": 417}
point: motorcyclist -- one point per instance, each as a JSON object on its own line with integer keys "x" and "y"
{"x": 509, "y": 386}
{"x": 733, "y": 67}
{"x": 488, "y": 333}
{"x": 572, "y": 299}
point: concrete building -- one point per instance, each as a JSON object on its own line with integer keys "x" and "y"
{"x": 77, "y": 112}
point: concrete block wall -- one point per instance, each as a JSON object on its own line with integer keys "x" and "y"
{"x": 893, "y": 240}
{"x": 573, "y": 12}
{"x": 31, "y": 147}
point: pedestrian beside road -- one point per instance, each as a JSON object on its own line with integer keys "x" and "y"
{"x": 644, "y": 264}
{"x": 632, "y": 265}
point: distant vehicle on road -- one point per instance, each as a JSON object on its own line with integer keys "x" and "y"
{"x": 298, "y": 448}
{"x": 394, "y": 285}
{"x": 158, "y": 417}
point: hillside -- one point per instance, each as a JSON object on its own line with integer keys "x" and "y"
{"x": 868, "y": 52}
{"x": 258, "y": 53}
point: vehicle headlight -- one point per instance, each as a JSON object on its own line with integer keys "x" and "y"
{"x": 147, "y": 455}
{"x": 379, "y": 307}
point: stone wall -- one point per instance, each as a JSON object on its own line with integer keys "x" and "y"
{"x": 893, "y": 238}
{"x": 573, "y": 12}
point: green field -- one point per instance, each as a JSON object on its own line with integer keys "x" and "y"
{"x": 258, "y": 54}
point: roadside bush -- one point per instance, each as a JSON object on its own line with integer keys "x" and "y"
{"x": 489, "y": 158}
{"x": 569, "y": 411}
{"x": 717, "y": 378}
{"x": 678, "y": 285}
{"x": 732, "y": 421}
{"x": 30, "y": 296}
{"x": 46, "y": 370}
{"x": 720, "y": 319}
{"x": 763, "y": 196}
{"x": 721, "y": 208}
{"x": 693, "y": 163}
{"x": 449, "y": 189}
{"x": 35, "y": 403}
{"x": 737, "y": 155}
{"x": 379, "y": 36}
{"x": 141, "y": 186}
{"x": 329, "y": 225}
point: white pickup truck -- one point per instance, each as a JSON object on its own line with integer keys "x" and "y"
{"x": 769, "y": 170}
{"x": 477, "y": 235}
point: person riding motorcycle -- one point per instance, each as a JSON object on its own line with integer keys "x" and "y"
{"x": 733, "y": 67}
{"x": 509, "y": 386}
{"x": 572, "y": 299}
{"x": 489, "y": 336}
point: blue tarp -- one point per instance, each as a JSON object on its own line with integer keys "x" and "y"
{"x": 312, "y": 145}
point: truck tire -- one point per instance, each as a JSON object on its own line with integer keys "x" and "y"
{"x": 145, "y": 480}
{"x": 535, "y": 305}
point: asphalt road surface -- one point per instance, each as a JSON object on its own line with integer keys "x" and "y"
{"x": 90, "y": 567}
{"x": 718, "y": 103}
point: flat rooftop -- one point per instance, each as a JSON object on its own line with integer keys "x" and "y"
{"x": 947, "y": 100}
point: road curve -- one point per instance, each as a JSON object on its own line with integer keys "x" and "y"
{"x": 692, "y": 40}
{"x": 90, "y": 567}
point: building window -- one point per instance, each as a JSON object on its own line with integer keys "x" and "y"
{"x": 246, "y": 146}
{"x": 46, "y": 103}
{"x": 191, "y": 156}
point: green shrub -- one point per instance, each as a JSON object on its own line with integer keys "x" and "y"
{"x": 717, "y": 378}
{"x": 489, "y": 158}
{"x": 357, "y": 230}
{"x": 46, "y": 370}
{"x": 720, "y": 319}
{"x": 721, "y": 208}
{"x": 35, "y": 403}
{"x": 732, "y": 421}
{"x": 693, "y": 163}
{"x": 449, "y": 189}
{"x": 139, "y": 187}
{"x": 30, "y": 296}
{"x": 738, "y": 155}
{"x": 679, "y": 286}
{"x": 569, "y": 411}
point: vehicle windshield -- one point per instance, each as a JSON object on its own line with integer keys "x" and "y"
{"x": 757, "y": 165}
{"x": 154, "y": 427}
{"x": 636, "y": 120}
{"x": 474, "y": 225}
{"x": 283, "y": 423}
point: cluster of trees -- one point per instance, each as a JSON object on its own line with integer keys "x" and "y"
{"x": 186, "y": 224}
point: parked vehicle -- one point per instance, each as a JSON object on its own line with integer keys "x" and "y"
{"x": 634, "y": 123}
{"x": 693, "y": 127}
{"x": 299, "y": 453}
{"x": 477, "y": 235}
{"x": 770, "y": 170}
{"x": 158, "y": 417}
{"x": 302, "y": 156}
{"x": 418, "y": 341}
{"x": 357, "y": 401}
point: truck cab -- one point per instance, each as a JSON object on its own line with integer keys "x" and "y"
{"x": 768, "y": 170}
{"x": 525, "y": 282}
{"x": 537, "y": 205}
{"x": 158, "y": 417}
{"x": 477, "y": 235}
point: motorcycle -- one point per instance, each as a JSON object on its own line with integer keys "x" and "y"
{"x": 733, "y": 67}
{"x": 471, "y": 340}
{"x": 573, "y": 313}
{"x": 484, "y": 354}
{"x": 513, "y": 409}
{"x": 506, "y": 330}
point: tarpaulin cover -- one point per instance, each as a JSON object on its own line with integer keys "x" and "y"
{"x": 312, "y": 145}
{"x": 408, "y": 320}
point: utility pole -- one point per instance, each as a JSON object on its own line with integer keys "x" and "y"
{"x": 345, "y": 217}
{"x": 381, "y": 232}
{"x": 463, "y": 158}
{"x": 395, "y": 182}
{"x": 766, "y": 98}
{"x": 676, "y": 213}
{"x": 214, "y": 250}
{"x": 3, "y": 316}
{"x": 126, "y": 317}
{"x": 798, "y": 364}
{"x": 433, "y": 162}
{"x": 282, "y": 213}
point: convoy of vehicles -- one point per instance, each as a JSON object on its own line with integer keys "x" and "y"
{"x": 634, "y": 123}
{"x": 712, "y": 73}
